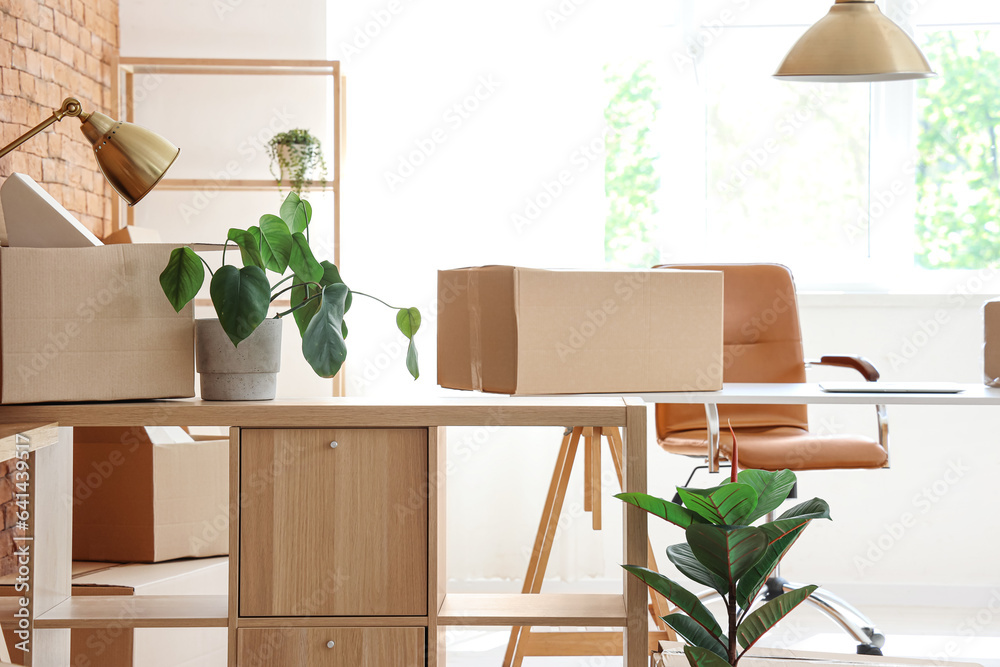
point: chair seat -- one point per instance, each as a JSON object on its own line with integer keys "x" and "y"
{"x": 782, "y": 447}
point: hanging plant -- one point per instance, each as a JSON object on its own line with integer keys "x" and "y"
{"x": 298, "y": 157}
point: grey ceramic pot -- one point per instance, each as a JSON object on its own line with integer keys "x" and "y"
{"x": 245, "y": 373}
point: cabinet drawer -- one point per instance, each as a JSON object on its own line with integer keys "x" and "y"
{"x": 333, "y": 531}
{"x": 331, "y": 647}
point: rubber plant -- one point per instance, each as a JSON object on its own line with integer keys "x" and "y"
{"x": 726, "y": 553}
{"x": 295, "y": 153}
{"x": 318, "y": 297}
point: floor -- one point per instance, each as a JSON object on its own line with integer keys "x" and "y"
{"x": 937, "y": 635}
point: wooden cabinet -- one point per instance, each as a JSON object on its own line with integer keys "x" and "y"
{"x": 333, "y": 522}
{"x": 331, "y": 647}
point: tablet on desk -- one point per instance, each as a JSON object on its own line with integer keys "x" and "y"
{"x": 892, "y": 387}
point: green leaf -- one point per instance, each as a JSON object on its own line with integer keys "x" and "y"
{"x": 810, "y": 509}
{"x": 323, "y": 341}
{"x": 303, "y": 315}
{"x": 761, "y": 620}
{"x": 701, "y": 657}
{"x": 301, "y": 260}
{"x": 296, "y": 212}
{"x": 241, "y": 298}
{"x": 781, "y": 541}
{"x": 408, "y": 321}
{"x": 682, "y": 598}
{"x": 249, "y": 247}
{"x": 276, "y": 243}
{"x": 772, "y": 489}
{"x": 182, "y": 277}
{"x": 696, "y": 635}
{"x": 726, "y": 551}
{"x": 331, "y": 276}
{"x": 726, "y": 505}
{"x": 684, "y": 560}
{"x": 411, "y": 360}
{"x": 255, "y": 233}
{"x": 666, "y": 510}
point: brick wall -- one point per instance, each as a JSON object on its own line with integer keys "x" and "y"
{"x": 50, "y": 50}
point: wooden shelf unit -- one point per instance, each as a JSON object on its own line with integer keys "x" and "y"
{"x": 308, "y": 424}
{"x": 125, "y": 70}
{"x": 138, "y": 611}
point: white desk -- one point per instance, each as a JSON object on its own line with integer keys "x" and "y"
{"x": 810, "y": 393}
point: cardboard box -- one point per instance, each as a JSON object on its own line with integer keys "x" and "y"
{"x": 672, "y": 655}
{"x": 531, "y": 331}
{"x": 148, "y": 494}
{"x": 91, "y": 324}
{"x": 991, "y": 343}
{"x": 122, "y": 647}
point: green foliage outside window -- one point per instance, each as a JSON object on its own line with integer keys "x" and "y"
{"x": 630, "y": 177}
{"x": 958, "y": 182}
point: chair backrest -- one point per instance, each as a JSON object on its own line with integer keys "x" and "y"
{"x": 762, "y": 343}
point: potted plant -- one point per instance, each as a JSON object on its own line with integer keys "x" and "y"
{"x": 726, "y": 553}
{"x": 298, "y": 156}
{"x": 242, "y": 342}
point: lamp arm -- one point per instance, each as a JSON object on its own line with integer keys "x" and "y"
{"x": 70, "y": 107}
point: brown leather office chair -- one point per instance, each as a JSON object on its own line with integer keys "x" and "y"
{"x": 763, "y": 343}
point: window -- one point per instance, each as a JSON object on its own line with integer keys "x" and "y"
{"x": 852, "y": 185}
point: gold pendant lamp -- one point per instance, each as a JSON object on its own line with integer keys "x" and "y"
{"x": 854, "y": 42}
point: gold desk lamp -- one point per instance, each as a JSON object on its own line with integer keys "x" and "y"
{"x": 132, "y": 158}
{"x": 854, "y": 42}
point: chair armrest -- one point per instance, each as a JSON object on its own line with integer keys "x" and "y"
{"x": 871, "y": 374}
{"x": 860, "y": 364}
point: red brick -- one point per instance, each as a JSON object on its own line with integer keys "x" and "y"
{"x": 10, "y": 82}
{"x": 45, "y": 18}
{"x": 19, "y": 58}
{"x": 9, "y": 515}
{"x": 34, "y": 63}
{"x": 24, "y": 33}
{"x": 27, "y": 86}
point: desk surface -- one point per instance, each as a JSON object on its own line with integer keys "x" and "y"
{"x": 810, "y": 393}
{"x": 342, "y": 412}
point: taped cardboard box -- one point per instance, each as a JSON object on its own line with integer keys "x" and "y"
{"x": 115, "y": 646}
{"x": 991, "y": 343}
{"x": 531, "y": 331}
{"x": 672, "y": 655}
{"x": 148, "y": 494}
{"x": 91, "y": 324}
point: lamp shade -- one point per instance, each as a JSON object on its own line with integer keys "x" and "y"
{"x": 132, "y": 158}
{"x": 855, "y": 41}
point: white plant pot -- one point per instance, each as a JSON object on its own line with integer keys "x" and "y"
{"x": 245, "y": 373}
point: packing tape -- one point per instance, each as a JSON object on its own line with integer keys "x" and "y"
{"x": 475, "y": 333}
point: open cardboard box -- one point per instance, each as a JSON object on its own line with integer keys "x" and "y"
{"x": 530, "y": 331}
{"x": 80, "y": 321}
{"x": 122, "y": 647}
{"x": 672, "y": 655}
{"x": 149, "y": 494}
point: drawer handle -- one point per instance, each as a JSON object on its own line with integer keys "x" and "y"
{"x": 330, "y": 644}
{"x": 333, "y": 445}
